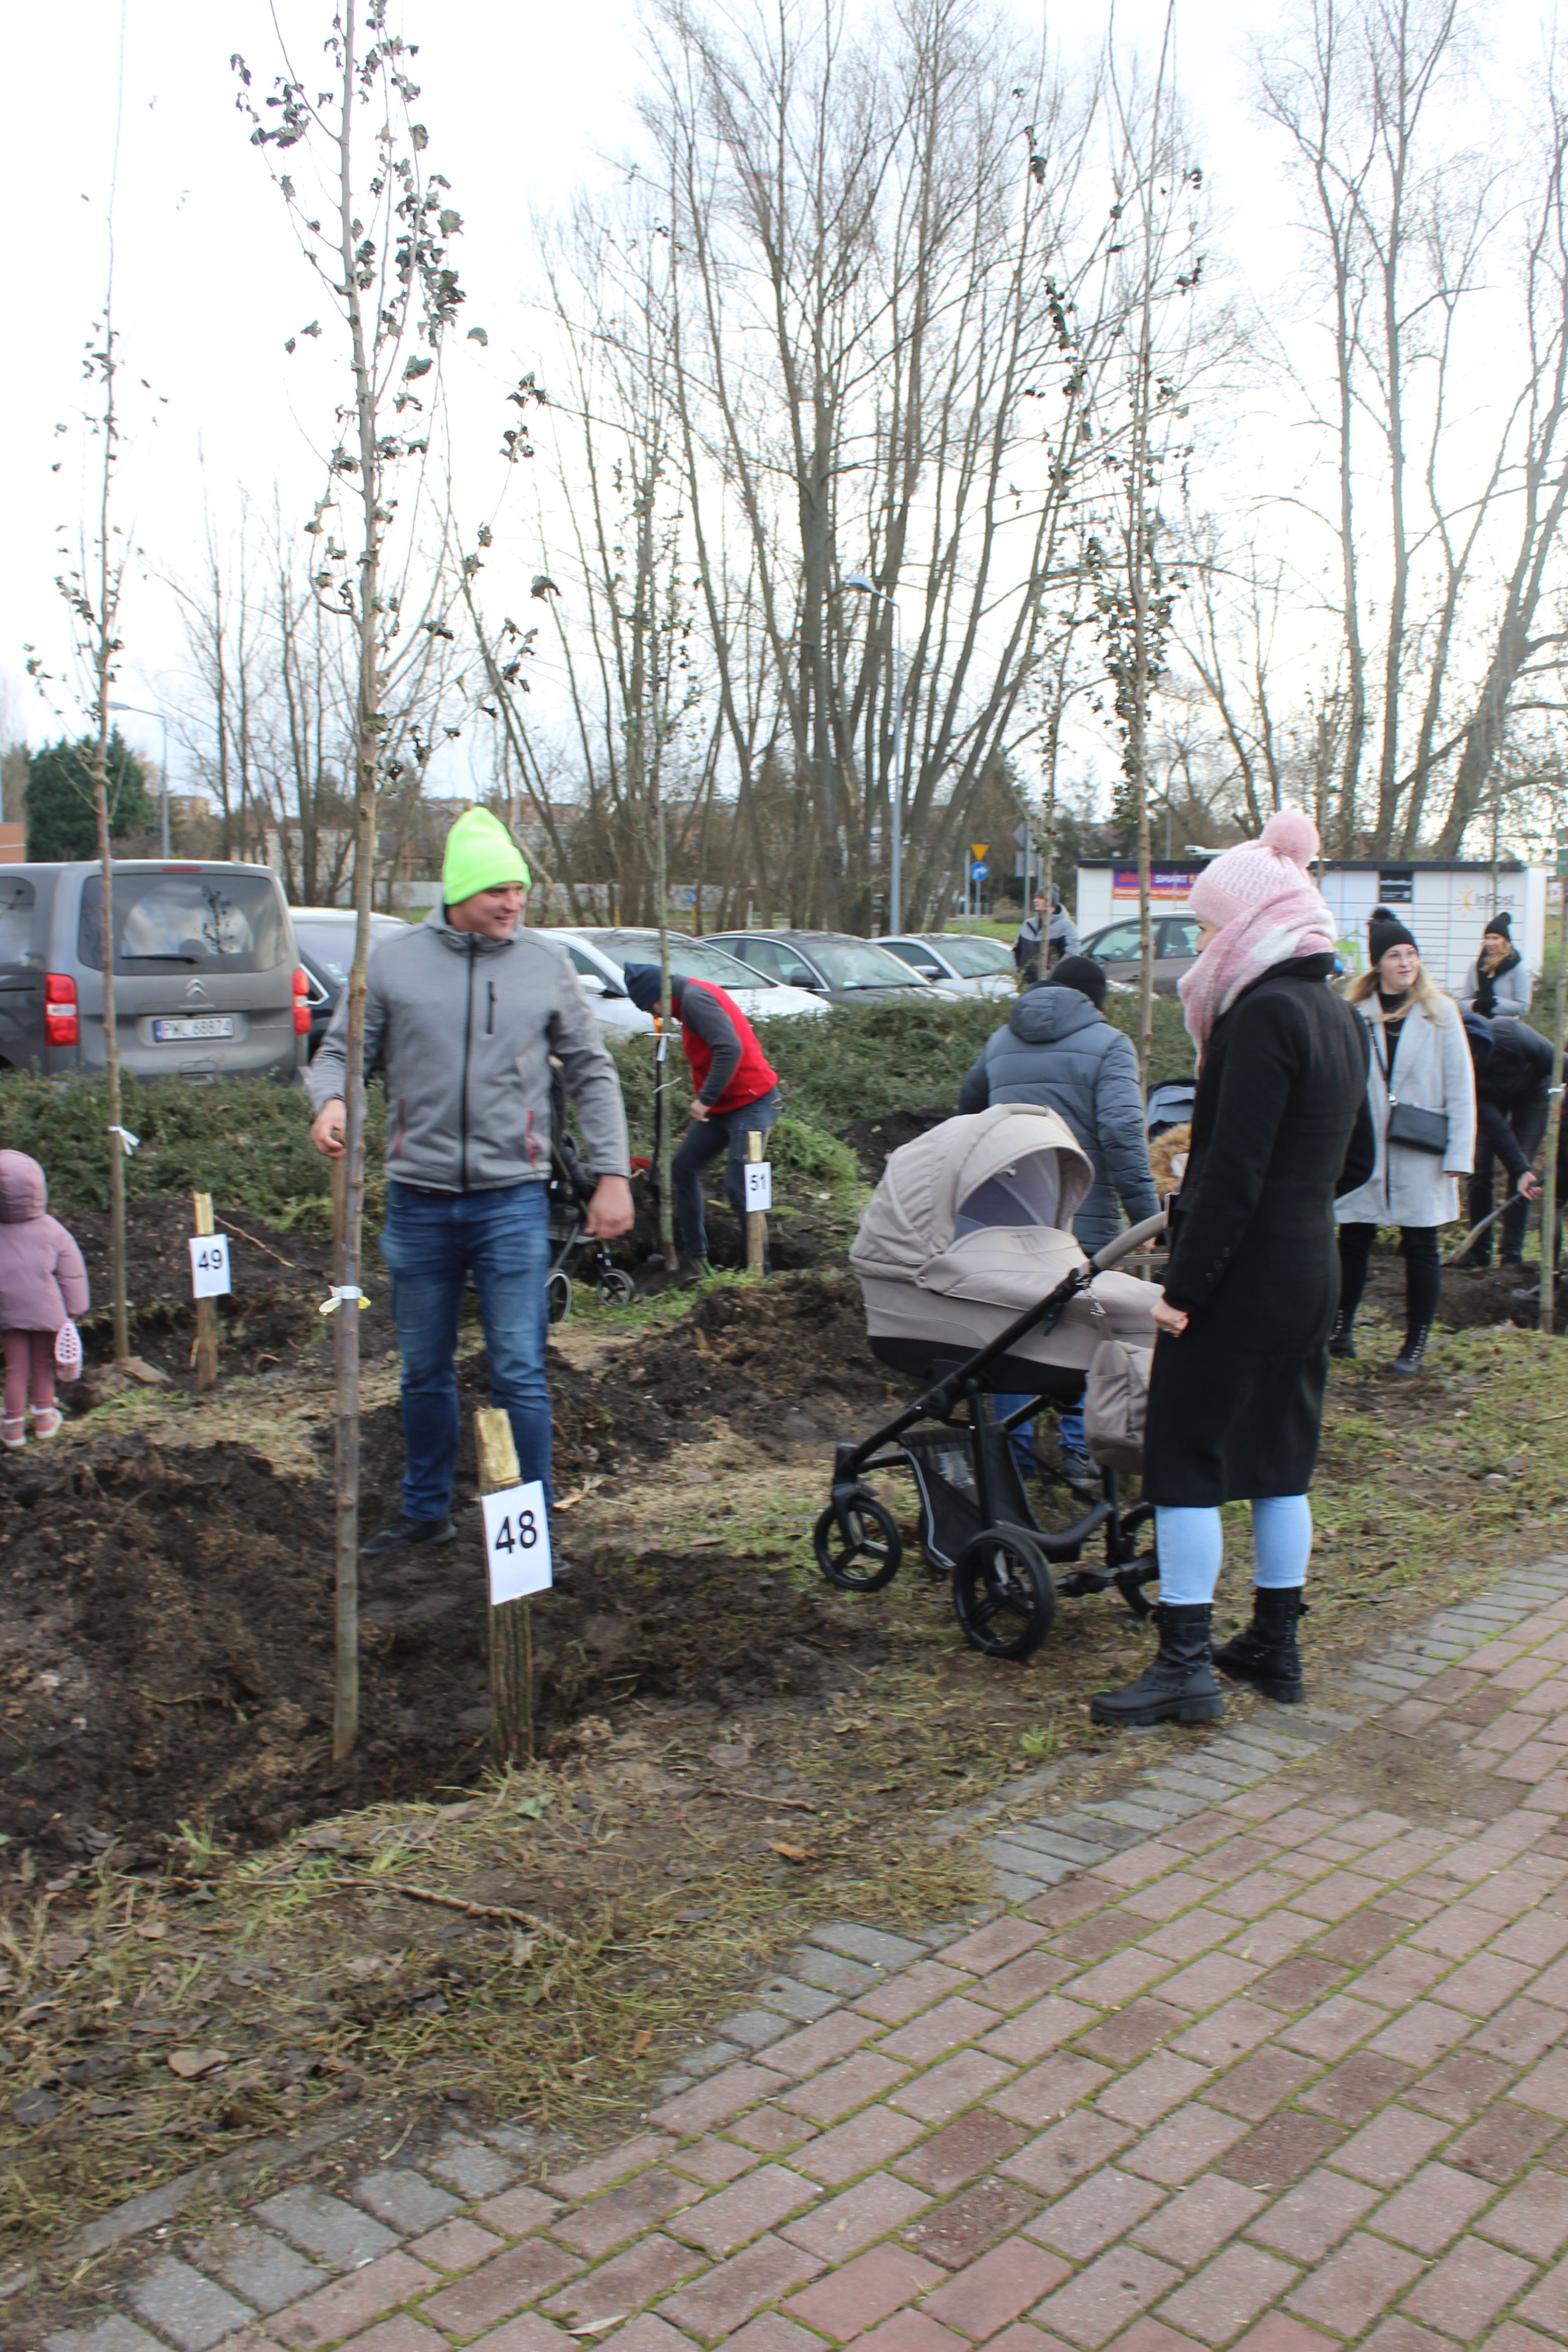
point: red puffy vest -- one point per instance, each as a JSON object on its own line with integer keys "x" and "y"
{"x": 754, "y": 1074}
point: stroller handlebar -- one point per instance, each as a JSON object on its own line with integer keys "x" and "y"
{"x": 1125, "y": 1244}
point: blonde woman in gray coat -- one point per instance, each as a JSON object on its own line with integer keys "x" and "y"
{"x": 1420, "y": 1066}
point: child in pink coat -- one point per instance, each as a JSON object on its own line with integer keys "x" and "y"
{"x": 43, "y": 1284}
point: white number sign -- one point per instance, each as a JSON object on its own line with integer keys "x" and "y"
{"x": 516, "y": 1542}
{"x": 209, "y": 1265}
{"x": 759, "y": 1185}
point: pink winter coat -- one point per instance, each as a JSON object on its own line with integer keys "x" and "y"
{"x": 42, "y": 1277}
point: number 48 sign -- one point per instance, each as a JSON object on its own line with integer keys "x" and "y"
{"x": 516, "y": 1542}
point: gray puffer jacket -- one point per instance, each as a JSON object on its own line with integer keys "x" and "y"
{"x": 461, "y": 1028}
{"x": 1058, "y": 1050}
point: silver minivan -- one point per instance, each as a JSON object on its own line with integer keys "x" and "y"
{"x": 207, "y": 983}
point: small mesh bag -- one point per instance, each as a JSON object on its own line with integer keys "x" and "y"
{"x": 943, "y": 1463}
{"x": 67, "y": 1350}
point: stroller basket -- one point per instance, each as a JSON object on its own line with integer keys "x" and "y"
{"x": 942, "y": 1461}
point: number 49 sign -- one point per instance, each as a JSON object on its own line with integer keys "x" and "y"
{"x": 516, "y": 1542}
{"x": 209, "y": 1265}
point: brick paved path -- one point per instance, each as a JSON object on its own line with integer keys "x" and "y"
{"x": 1241, "y": 2061}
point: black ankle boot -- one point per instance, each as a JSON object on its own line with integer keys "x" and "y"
{"x": 1178, "y": 1685}
{"x": 1264, "y": 1653}
{"x": 1341, "y": 1339}
{"x": 1407, "y": 1364}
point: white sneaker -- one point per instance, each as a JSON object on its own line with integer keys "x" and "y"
{"x": 14, "y": 1430}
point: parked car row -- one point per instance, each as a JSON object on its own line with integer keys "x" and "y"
{"x": 214, "y": 973}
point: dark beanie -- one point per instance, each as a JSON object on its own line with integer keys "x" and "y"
{"x": 1082, "y": 973}
{"x": 1500, "y": 922}
{"x": 644, "y": 987}
{"x": 1384, "y": 931}
{"x": 1479, "y": 1036}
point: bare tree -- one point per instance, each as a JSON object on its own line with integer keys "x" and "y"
{"x": 882, "y": 278}
{"x": 1416, "y": 235}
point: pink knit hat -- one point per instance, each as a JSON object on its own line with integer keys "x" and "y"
{"x": 1267, "y": 872}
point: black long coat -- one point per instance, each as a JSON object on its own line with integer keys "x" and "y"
{"x": 1279, "y": 1130}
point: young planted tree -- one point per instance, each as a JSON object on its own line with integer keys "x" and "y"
{"x": 93, "y": 590}
{"x": 379, "y": 246}
{"x": 1156, "y": 208}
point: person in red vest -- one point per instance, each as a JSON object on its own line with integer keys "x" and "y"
{"x": 737, "y": 1089}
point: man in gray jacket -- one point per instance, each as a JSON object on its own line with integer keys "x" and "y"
{"x": 1059, "y": 1049}
{"x": 462, "y": 1018}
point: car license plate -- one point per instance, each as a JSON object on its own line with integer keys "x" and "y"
{"x": 205, "y": 1024}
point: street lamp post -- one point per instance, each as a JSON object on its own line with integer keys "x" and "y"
{"x": 136, "y": 709}
{"x": 864, "y": 587}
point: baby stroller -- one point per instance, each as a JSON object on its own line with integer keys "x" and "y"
{"x": 973, "y": 1280}
{"x": 571, "y": 1189}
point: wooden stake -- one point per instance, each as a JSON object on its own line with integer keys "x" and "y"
{"x": 511, "y": 1626}
{"x": 756, "y": 1222}
{"x": 206, "y": 1309}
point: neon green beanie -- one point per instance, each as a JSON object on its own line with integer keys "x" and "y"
{"x": 481, "y": 856}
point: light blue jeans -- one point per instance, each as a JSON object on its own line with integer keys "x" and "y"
{"x": 431, "y": 1243}
{"x": 1190, "y": 1545}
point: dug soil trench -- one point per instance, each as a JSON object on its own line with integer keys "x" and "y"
{"x": 729, "y": 1750}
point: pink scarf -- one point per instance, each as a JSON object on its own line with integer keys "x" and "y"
{"x": 1296, "y": 923}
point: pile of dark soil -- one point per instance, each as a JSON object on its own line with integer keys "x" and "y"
{"x": 269, "y": 1318}
{"x": 873, "y": 1140}
{"x": 789, "y": 1361}
{"x": 1471, "y": 1300}
{"x": 167, "y": 1651}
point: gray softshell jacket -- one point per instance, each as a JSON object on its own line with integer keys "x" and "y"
{"x": 1058, "y": 1051}
{"x": 462, "y": 1029}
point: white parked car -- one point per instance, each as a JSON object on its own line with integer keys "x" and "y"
{"x": 963, "y": 962}
{"x": 599, "y": 956}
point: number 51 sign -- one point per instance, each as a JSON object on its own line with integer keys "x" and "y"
{"x": 516, "y": 1542}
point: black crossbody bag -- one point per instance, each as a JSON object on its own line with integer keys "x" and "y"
{"x": 1418, "y": 1130}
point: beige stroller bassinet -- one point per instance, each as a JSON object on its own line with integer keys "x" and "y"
{"x": 973, "y": 1282}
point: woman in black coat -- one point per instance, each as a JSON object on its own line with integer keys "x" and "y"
{"x": 1236, "y": 1393}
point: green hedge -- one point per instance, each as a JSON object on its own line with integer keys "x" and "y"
{"x": 247, "y": 1140}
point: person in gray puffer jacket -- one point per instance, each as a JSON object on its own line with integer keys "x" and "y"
{"x": 1059, "y": 1049}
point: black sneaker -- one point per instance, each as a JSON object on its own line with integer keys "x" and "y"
{"x": 402, "y": 1533}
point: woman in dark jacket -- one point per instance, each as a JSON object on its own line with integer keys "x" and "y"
{"x": 1236, "y": 1394}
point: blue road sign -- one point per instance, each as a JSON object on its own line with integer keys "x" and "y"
{"x": 978, "y": 873}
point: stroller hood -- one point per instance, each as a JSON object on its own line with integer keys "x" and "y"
{"x": 913, "y": 1216}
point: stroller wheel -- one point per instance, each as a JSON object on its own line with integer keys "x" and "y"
{"x": 1002, "y": 1594}
{"x": 558, "y": 1294}
{"x": 857, "y": 1547}
{"x": 616, "y": 1288}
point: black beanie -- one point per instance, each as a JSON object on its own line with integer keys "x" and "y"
{"x": 1082, "y": 973}
{"x": 1384, "y": 931}
{"x": 645, "y": 986}
{"x": 1500, "y": 922}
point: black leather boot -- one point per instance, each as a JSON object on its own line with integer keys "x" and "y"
{"x": 1407, "y": 1364}
{"x": 1178, "y": 1685}
{"x": 1264, "y": 1653}
{"x": 1341, "y": 1339}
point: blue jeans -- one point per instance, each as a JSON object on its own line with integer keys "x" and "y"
{"x": 704, "y": 1140}
{"x": 1069, "y": 1429}
{"x": 431, "y": 1243}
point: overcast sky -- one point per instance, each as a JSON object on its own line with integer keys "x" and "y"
{"x": 525, "y": 102}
